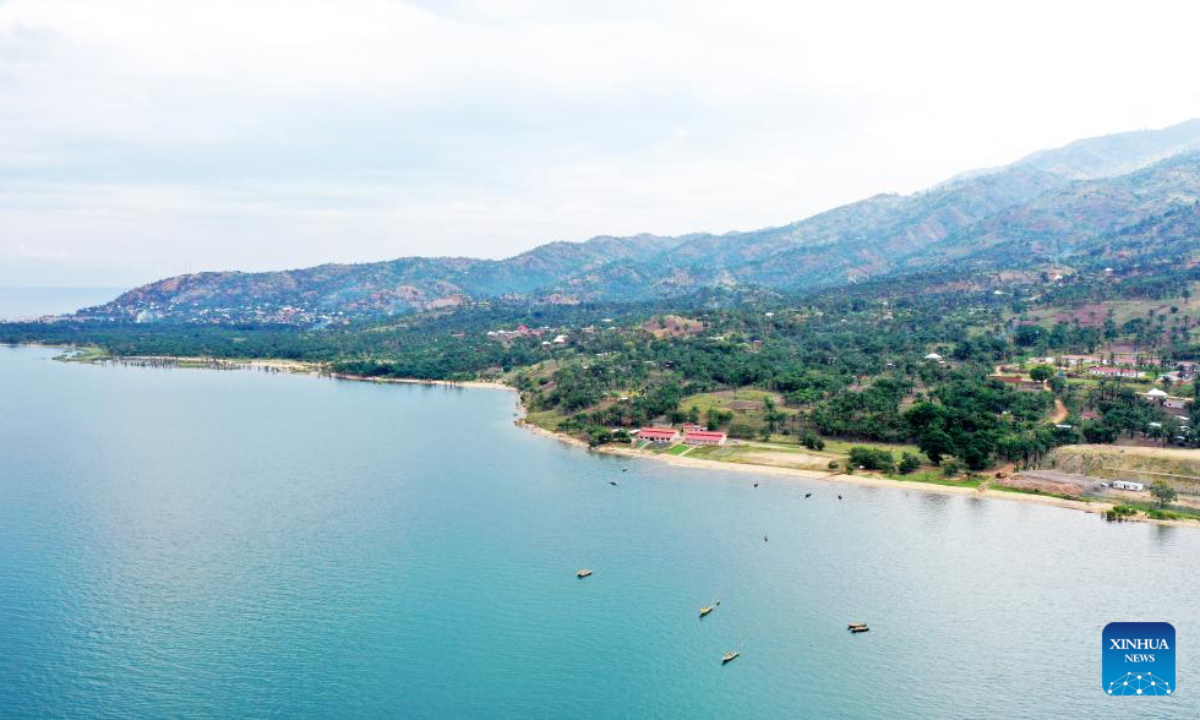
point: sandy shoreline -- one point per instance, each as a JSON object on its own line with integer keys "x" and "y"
{"x": 473, "y": 384}
{"x": 1098, "y": 507}
{"x": 298, "y": 367}
{"x": 293, "y": 366}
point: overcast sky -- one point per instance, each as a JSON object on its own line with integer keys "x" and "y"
{"x": 145, "y": 138}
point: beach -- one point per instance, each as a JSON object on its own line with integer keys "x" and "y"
{"x": 863, "y": 479}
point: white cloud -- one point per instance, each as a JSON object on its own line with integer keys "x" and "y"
{"x": 147, "y": 137}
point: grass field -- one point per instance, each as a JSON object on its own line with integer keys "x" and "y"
{"x": 1122, "y": 310}
{"x": 548, "y": 419}
{"x": 746, "y": 404}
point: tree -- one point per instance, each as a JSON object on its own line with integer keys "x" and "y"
{"x": 1041, "y": 373}
{"x": 1163, "y": 491}
{"x": 977, "y": 455}
{"x": 936, "y": 444}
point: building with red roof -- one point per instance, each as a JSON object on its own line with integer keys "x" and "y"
{"x": 704, "y": 437}
{"x": 658, "y": 435}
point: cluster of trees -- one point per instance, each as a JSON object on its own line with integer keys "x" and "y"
{"x": 848, "y": 363}
{"x": 871, "y": 413}
{"x": 972, "y": 418}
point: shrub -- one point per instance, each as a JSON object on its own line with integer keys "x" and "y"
{"x": 908, "y": 463}
{"x": 1120, "y": 512}
{"x": 1162, "y": 514}
{"x": 598, "y": 436}
{"x": 870, "y": 458}
{"x": 812, "y": 441}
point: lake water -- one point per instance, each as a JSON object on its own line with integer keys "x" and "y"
{"x": 192, "y": 543}
{"x": 25, "y": 303}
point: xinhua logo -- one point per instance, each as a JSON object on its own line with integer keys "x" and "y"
{"x": 1139, "y": 658}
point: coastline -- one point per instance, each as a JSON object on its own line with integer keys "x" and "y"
{"x": 298, "y": 367}
{"x": 473, "y": 384}
{"x": 864, "y": 480}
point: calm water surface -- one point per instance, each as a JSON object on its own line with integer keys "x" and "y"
{"x": 190, "y": 543}
{"x": 25, "y": 303}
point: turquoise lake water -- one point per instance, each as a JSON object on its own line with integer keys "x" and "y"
{"x": 192, "y": 543}
{"x": 25, "y": 303}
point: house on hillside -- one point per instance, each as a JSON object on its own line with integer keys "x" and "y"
{"x": 933, "y": 357}
{"x": 1020, "y": 384}
{"x": 1128, "y": 485}
{"x": 1176, "y": 403}
{"x": 1076, "y": 362}
{"x": 704, "y": 437}
{"x": 658, "y": 435}
{"x": 1123, "y": 373}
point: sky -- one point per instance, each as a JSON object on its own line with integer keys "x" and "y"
{"x": 145, "y": 138}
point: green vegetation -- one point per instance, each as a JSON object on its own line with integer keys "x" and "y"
{"x": 1163, "y": 492}
{"x": 866, "y": 458}
{"x": 909, "y": 464}
{"x": 892, "y": 374}
{"x": 1120, "y": 512}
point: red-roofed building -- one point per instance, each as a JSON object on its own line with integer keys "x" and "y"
{"x": 704, "y": 437}
{"x": 658, "y": 435}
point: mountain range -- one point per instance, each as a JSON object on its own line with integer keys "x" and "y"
{"x": 1103, "y": 197}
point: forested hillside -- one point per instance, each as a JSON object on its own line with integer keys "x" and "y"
{"x": 1064, "y": 205}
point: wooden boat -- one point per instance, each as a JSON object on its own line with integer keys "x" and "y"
{"x": 730, "y": 657}
{"x": 705, "y": 610}
{"x": 583, "y": 573}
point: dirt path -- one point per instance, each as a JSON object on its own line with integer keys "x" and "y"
{"x": 1060, "y": 412}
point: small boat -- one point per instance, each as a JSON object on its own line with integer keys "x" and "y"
{"x": 755, "y": 484}
{"x": 705, "y": 610}
{"x": 729, "y": 657}
{"x": 839, "y": 497}
{"x": 853, "y": 625}
{"x": 612, "y": 482}
{"x": 807, "y": 495}
{"x": 864, "y": 628}
{"x": 583, "y": 573}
